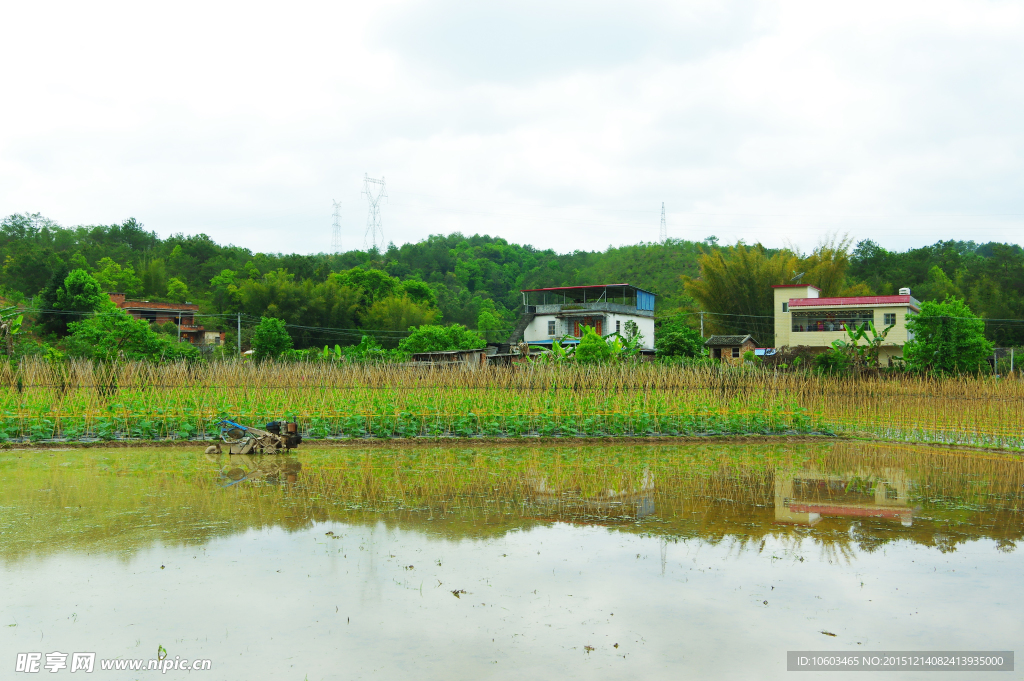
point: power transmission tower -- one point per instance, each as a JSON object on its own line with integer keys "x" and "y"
{"x": 336, "y": 234}
{"x": 664, "y": 225}
{"x": 374, "y": 191}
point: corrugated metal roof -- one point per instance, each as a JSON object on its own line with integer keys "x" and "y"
{"x": 571, "y": 288}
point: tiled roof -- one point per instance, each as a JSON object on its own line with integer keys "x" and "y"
{"x": 729, "y": 340}
{"x": 143, "y": 305}
{"x": 855, "y": 301}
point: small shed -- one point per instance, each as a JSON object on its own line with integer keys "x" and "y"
{"x": 730, "y": 349}
{"x": 466, "y": 359}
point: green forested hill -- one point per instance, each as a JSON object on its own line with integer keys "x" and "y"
{"x": 473, "y": 280}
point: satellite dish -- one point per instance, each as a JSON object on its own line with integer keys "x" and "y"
{"x": 798, "y": 276}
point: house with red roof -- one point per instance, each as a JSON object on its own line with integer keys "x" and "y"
{"x": 181, "y": 314}
{"x": 804, "y": 319}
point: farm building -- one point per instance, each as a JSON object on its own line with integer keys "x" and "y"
{"x": 181, "y": 314}
{"x": 730, "y": 349}
{"x": 466, "y": 359}
{"x": 560, "y": 313}
{"x": 802, "y": 319}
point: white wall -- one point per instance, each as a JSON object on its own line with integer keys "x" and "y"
{"x": 537, "y": 330}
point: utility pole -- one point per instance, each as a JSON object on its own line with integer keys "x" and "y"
{"x": 239, "y": 334}
{"x": 336, "y": 234}
{"x": 374, "y": 190}
{"x": 702, "y": 323}
{"x": 179, "y": 327}
{"x": 664, "y": 225}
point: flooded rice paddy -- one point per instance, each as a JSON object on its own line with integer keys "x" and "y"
{"x": 575, "y": 562}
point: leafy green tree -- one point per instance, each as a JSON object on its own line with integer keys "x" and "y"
{"x": 375, "y": 284}
{"x": 432, "y": 338}
{"x": 592, "y": 349}
{"x": 938, "y": 286}
{"x": 325, "y": 305}
{"x": 154, "y": 278}
{"x": 114, "y": 278}
{"x": 270, "y": 338}
{"x": 169, "y": 328}
{"x": 948, "y": 338}
{"x": 833, "y": 361}
{"x": 368, "y": 350}
{"x": 396, "y": 314}
{"x": 224, "y": 291}
{"x": 276, "y": 294}
{"x": 490, "y": 322}
{"x": 80, "y": 293}
{"x": 177, "y": 291}
{"x": 419, "y": 292}
{"x": 676, "y": 338}
{"x": 115, "y": 335}
{"x": 71, "y": 296}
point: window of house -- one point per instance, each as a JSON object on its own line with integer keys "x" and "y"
{"x": 551, "y": 328}
{"x": 785, "y": 307}
{"x": 831, "y": 320}
{"x": 618, "y": 325}
{"x": 890, "y": 318}
{"x": 718, "y": 353}
{"x": 735, "y": 352}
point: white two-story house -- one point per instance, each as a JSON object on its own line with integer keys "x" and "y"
{"x": 557, "y": 313}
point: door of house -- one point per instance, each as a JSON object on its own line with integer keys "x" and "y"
{"x": 595, "y": 322}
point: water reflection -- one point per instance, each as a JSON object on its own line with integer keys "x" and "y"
{"x": 844, "y": 495}
{"x": 634, "y": 501}
{"x": 803, "y": 497}
{"x": 270, "y": 468}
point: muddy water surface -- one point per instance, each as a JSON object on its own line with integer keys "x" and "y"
{"x": 665, "y": 562}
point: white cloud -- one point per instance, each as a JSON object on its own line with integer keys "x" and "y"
{"x": 560, "y": 125}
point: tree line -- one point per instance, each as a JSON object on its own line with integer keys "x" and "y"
{"x": 475, "y": 280}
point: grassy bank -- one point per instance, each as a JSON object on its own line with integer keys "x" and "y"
{"x": 78, "y": 401}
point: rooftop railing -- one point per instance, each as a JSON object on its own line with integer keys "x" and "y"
{"x": 556, "y": 308}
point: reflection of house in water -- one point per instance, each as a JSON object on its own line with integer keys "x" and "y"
{"x": 633, "y": 503}
{"x": 803, "y": 497}
{"x": 272, "y": 468}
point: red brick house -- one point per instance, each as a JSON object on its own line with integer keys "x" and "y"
{"x": 182, "y": 314}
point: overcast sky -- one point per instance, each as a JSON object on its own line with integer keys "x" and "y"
{"x": 563, "y": 125}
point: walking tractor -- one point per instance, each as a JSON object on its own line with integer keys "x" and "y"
{"x": 278, "y": 436}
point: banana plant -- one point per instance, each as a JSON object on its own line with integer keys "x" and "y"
{"x": 559, "y": 352}
{"x": 327, "y": 355}
{"x": 10, "y": 326}
{"x": 624, "y": 347}
{"x": 863, "y": 356}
